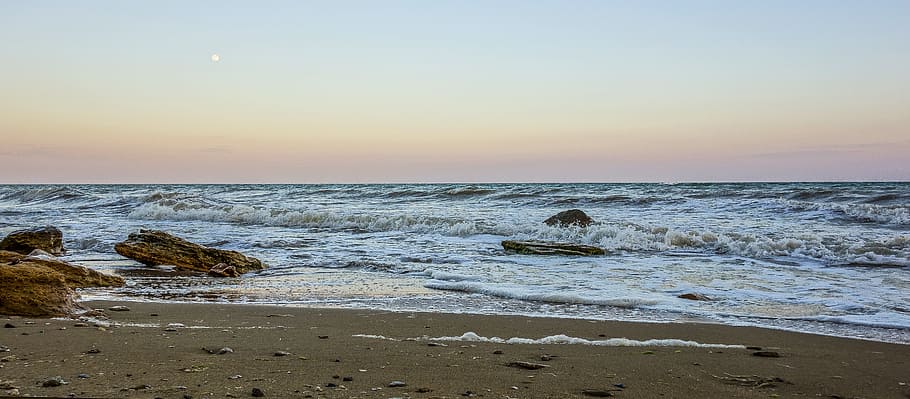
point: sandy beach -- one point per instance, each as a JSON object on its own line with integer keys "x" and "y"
{"x": 176, "y": 351}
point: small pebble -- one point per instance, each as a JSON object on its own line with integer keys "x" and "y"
{"x": 546, "y": 358}
{"x": 497, "y": 352}
{"x": 257, "y": 393}
{"x": 397, "y": 384}
{"x": 347, "y": 379}
{"x": 282, "y": 353}
{"x": 119, "y": 308}
{"x": 766, "y": 354}
{"x": 54, "y": 382}
{"x": 83, "y": 376}
{"x": 93, "y": 351}
{"x": 323, "y": 337}
{"x": 331, "y": 385}
{"x": 80, "y": 325}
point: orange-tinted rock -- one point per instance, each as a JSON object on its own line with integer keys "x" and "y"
{"x": 153, "y": 248}
{"x": 39, "y": 286}
{"x": 48, "y": 239}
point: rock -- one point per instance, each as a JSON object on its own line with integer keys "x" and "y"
{"x": 527, "y": 365}
{"x": 766, "y": 354}
{"x": 694, "y": 297}
{"x": 282, "y": 353}
{"x": 397, "y": 384}
{"x": 597, "y": 393}
{"x": 48, "y": 239}
{"x": 54, "y": 382}
{"x": 546, "y": 358}
{"x": 257, "y": 393}
{"x": 551, "y": 248}
{"x": 45, "y": 287}
{"x": 154, "y": 248}
{"x": 347, "y": 379}
{"x": 119, "y": 308}
{"x": 223, "y": 351}
{"x": 223, "y": 270}
{"x": 571, "y": 217}
{"x": 9, "y": 325}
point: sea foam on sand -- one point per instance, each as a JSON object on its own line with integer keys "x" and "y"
{"x": 562, "y": 340}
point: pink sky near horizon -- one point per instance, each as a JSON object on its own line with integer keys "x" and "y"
{"x": 130, "y": 94}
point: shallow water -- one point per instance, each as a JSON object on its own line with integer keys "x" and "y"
{"x": 831, "y": 258}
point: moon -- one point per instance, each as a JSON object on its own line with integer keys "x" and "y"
{"x": 216, "y": 58}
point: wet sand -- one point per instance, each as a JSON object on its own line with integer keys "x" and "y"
{"x": 140, "y": 356}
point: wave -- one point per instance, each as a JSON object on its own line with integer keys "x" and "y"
{"x": 631, "y": 237}
{"x": 525, "y": 295}
{"x": 43, "y": 194}
{"x": 862, "y": 212}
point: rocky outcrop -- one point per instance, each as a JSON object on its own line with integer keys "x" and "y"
{"x": 551, "y": 248}
{"x": 153, "y": 247}
{"x": 48, "y": 239}
{"x": 572, "y": 217}
{"x": 43, "y": 286}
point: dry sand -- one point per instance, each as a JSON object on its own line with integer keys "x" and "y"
{"x": 139, "y": 356}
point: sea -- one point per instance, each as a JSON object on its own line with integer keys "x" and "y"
{"x": 825, "y": 258}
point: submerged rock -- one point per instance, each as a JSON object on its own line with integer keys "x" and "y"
{"x": 154, "y": 248}
{"x": 551, "y": 248}
{"x": 223, "y": 270}
{"x": 48, "y": 239}
{"x": 571, "y": 217}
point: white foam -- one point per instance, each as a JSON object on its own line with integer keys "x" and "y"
{"x": 523, "y": 293}
{"x": 562, "y": 339}
{"x": 370, "y": 336}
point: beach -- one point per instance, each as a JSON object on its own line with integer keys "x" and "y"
{"x": 184, "y": 350}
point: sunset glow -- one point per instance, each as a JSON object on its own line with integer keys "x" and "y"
{"x": 454, "y": 91}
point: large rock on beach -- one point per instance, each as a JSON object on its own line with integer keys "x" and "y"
{"x": 572, "y": 217}
{"x": 551, "y": 248}
{"x": 43, "y": 286}
{"x": 48, "y": 239}
{"x": 153, "y": 247}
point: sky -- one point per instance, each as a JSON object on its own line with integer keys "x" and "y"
{"x": 453, "y": 91}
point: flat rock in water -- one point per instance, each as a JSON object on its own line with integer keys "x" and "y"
{"x": 551, "y": 248}
{"x": 154, "y": 248}
{"x": 48, "y": 239}
{"x": 694, "y": 297}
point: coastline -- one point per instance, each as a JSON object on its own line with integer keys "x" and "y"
{"x": 350, "y": 353}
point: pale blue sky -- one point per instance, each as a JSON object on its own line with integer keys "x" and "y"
{"x": 454, "y": 91}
